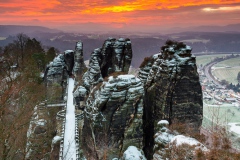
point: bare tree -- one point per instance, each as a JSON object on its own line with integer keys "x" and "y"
{"x": 20, "y": 92}
{"x": 21, "y": 44}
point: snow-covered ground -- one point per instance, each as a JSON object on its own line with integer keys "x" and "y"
{"x": 69, "y": 149}
{"x": 235, "y": 127}
{"x": 133, "y": 153}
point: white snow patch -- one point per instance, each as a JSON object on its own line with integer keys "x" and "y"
{"x": 155, "y": 56}
{"x": 188, "y": 48}
{"x": 180, "y": 139}
{"x": 68, "y": 51}
{"x": 79, "y": 44}
{"x": 41, "y": 122}
{"x": 163, "y": 122}
{"x": 41, "y": 75}
{"x": 133, "y": 153}
{"x": 56, "y": 139}
{"x": 235, "y": 127}
{"x": 163, "y": 137}
{"x": 127, "y": 76}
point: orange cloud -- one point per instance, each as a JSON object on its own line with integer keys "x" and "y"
{"x": 154, "y": 12}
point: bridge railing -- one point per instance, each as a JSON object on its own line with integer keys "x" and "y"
{"x": 77, "y": 117}
{"x": 63, "y": 129}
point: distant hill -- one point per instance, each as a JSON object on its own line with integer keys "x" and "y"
{"x": 10, "y": 30}
{"x": 202, "y": 40}
{"x": 232, "y": 28}
{"x": 227, "y": 28}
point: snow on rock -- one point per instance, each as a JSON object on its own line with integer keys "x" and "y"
{"x": 93, "y": 75}
{"x": 41, "y": 75}
{"x": 79, "y": 95}
{"x": 41, "y": 122}
{"x": 68, "y": 52}
{"x": 116, "y": 104}
{"x": 165, "y": 137}
{"x": 79, "y": 65}
{"x": 56, "y": 66}
{"x": 114, "y": 56}
{"x": 133, "y": 153}
{"x": 56, "y": 139}
{"x": 181, "y": 139}
{"x": 120, "y": 88}
{"x": 172, "y": 88}
{"x": 163, "y": 122}
{"x": 171, "y": 56}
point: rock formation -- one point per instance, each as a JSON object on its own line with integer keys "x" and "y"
{"x": 67, "y": 64}
{"x": 79, "y": 97}
{"x": 113, "y": 117}
{"x": 56, "y": 79}
{"x": 172, "y": 90}
{"x": 133, "y": 153}
{"x": 93, "y": 76}
{"x": 123, "y": 110}
{"x": 56, "y": 71}
{"x": 69, "y": 60}
{"x": 166, "y": 142}
{"x": 114, "y": 56}
{"x": 79, "y": 65}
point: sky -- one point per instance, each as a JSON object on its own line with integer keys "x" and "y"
{"x": 138, "y": 15}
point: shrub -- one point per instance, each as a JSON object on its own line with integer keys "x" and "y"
{"x": 170, "y": 42}
{"x": 146, "y": 61}
{"x": 180, "y": 45}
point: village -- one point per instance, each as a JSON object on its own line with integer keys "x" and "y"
{"x": 221, "y": 106}
{"x": 218, "y": 95}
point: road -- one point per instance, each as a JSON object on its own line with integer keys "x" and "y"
{"x": 207, "y": 72}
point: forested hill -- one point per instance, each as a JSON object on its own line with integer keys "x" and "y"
{"x": 7, "y": 30}
{"x": 143, "y": 44}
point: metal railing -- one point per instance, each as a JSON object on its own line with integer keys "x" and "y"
{"x": 77, "y": 118}
{"x": 63, "y": 129}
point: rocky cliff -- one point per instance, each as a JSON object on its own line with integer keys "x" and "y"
{"x": 114, "y": 56}
{"x": 172, "y": 90}
{"x": 123, "y": 110}
{"x": 67, "y": 64}
{"x": 69, "y": 61}
{"x": 56, "y": 79}
{"x": 56, "y": 71}
{"x": 113, "y": 117}
{"x": 79, "y": 66}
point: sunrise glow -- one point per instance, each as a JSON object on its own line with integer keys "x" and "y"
{"x": 222, "y": 9}
{"x": 119, "y": 14}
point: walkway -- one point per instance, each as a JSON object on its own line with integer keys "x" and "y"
{"x": 69, "y": 149}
